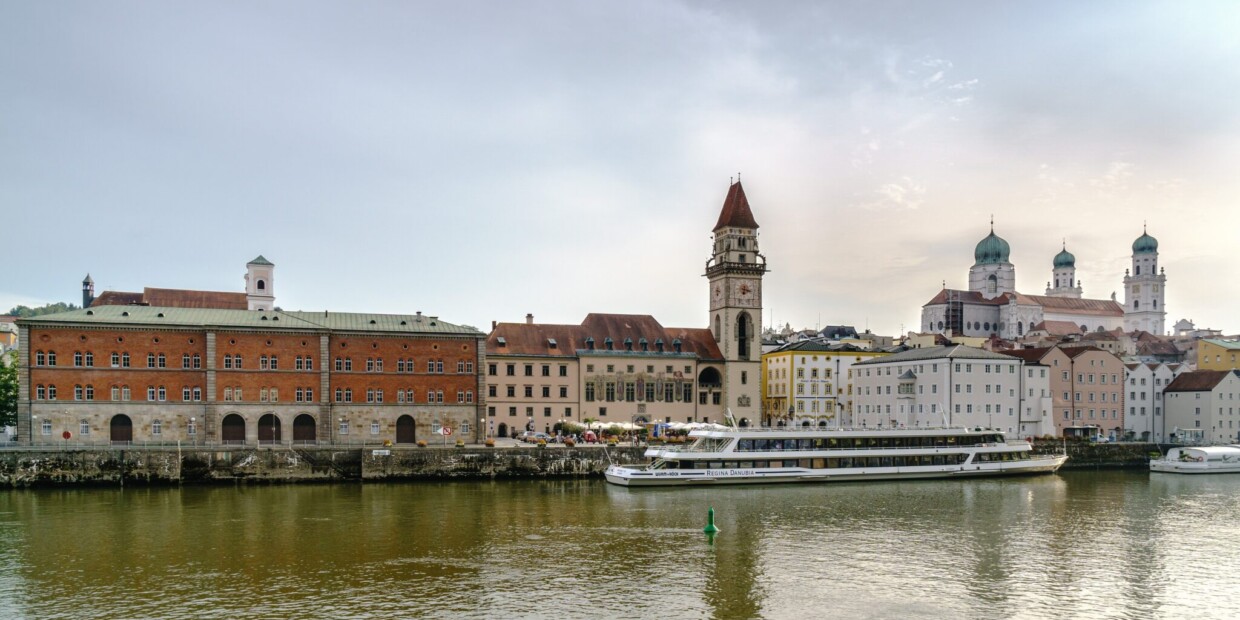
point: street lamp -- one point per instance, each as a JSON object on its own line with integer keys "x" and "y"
{"x": 481, "y": 429}
{"x": 33, "y": 419}
{"x": 193, "y": 429}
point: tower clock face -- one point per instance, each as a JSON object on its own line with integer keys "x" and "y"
{"x": 745, "y": 292}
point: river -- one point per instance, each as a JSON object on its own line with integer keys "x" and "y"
{"x": 1073, "y": 545}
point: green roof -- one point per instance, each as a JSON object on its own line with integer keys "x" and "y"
{"x": 992, "y": 250}
{"x": 261, "y": 261}
{"x": 152, "y": 316}
{"x": 1226, "y": 344}
{"x": 1145, "y": 244}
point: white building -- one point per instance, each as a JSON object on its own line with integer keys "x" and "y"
{"x": 947, "y": 385}
{"x": 810, "y": 383}
{"x": 992, "y": 306}
{"x": 1145, "y": 384}
{"x": 1205, "y": 400}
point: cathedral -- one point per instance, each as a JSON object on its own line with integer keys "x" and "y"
{"x": 992, "y": 306}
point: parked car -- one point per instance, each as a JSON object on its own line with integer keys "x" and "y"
{"x": 532, "y": 437}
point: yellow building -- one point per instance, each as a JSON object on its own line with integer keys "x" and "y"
{"x": 809, "y": 383}
{"x": 1214, "y": 354}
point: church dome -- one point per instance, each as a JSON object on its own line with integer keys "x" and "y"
{"x": 1145, "y": 244}
{"x": 1065, "y": 259}
{"x": 992, "y": 250}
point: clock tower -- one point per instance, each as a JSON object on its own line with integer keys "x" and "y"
{"x": 735, "y": 272}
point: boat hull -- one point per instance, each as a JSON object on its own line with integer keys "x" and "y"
{"x": 639, "y": 476}
{"x": 1178, "y": 467}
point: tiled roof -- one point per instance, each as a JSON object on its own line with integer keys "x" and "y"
{"x": 968, "y": 297}
{"x": 928, "y": 353}
{"x": 1096, "y": 307}
{"x": 260, "y": 261}
{"x": 1074, "y": 352}
{"x": 1029, "y": 355}
{"x": 155, "y": 316}
{"x": 1197, "y": 381}
{"x": 818, "y": 346}
{"x": 534, "y": 339}
{"x": 736, "y": 213}
{"x": 173, "y": 298}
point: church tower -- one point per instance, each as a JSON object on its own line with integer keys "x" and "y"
{"x": 991, "y": 274}
{"x": 260, "y": 293}
{"x": 735, "y": 272}
{"x": 1063, "y": 278}
{"x": 1145, "y": 288}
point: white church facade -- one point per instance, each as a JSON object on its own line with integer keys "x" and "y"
{"x": 992, "y": 307}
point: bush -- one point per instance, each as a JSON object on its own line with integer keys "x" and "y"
{"x": 460, "y": 443}
{"x": 421, "y": 443}
{"x": 568, "y": 443}
{"x": 490, "y": 442}
{"x": 542, "y": 443}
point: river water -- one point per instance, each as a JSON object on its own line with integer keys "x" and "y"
{"x": 1073, "y": 545}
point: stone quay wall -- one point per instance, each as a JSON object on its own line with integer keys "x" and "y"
{"x": 117, "y": 467}
{"x": 224, "y": 465}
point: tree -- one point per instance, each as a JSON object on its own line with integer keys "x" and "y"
{"x": 27, "y": 312}
{"x": 8, "y": 389}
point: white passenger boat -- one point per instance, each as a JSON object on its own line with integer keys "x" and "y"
{"x": 765, "y": 455}
{"x": 1199, "y": 460}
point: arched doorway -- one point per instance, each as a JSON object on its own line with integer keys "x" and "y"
{"x": 805, "y": 424}
{"x": 405, "y": 430}
{"x": 121, "y": 429}
{"x": 304, "y": 428}
{"x": 232, "y": 429}
{"x": 822, "y": 424}
{"x": 269, "y": 428}
{"x": 503, "y": 429}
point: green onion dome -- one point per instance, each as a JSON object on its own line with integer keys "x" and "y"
{"x": 992, "y": 250}
{"x": 1145, "y": 244}
{"x": 1065, "y": 259}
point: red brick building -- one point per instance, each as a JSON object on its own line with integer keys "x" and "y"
{"x": 143, "y": 373}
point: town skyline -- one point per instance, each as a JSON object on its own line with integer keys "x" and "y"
{"x": 436, "y": 159}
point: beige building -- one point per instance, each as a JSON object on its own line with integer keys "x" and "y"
{"x": 1206, "y": 402}
{"x": 810, "y": 383}
{"x": 1087, "y": 386}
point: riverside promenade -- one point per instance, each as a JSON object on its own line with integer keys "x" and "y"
{"x": 41, "y": 466}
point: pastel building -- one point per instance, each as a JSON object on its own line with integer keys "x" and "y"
{"x": 1086, "y": 386}
{"x": 1218, "y": 354}
{"x": 810, "y": 383}
{"x": 1146, "y": 382}
{"x": 940, "y": 386}
{"x": 1208, "y": 403}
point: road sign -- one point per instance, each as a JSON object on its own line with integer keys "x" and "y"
{"x": 445, "y": 431}
{"x": 66, "y": 434}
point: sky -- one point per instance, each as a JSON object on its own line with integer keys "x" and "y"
{"x": 479, "y": 161}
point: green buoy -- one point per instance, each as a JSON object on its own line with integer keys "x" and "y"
{"x": 710, "y": 522}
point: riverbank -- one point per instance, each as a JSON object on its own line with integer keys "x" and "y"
{"x": 115, "y": 466}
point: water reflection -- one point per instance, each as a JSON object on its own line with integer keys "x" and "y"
{"x": 1092, "y": 545}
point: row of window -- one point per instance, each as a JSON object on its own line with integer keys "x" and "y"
{"x": 511, "y": 370}
{"x": 403, "y": 396}
{"x": 403, "y": 365}
{"x": 632, "y": 394}
{"x": 629, "y": 368}
{"x": 529, "y": 412}
{"x": 1114, "y": 397}
{"x": 1092, "y": 414}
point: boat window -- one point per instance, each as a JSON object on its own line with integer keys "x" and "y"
{"x": 807, "y": 444}
{"x": 791, "y": 463}
{"x": 951, "y": 440}
{"x": 762, "y": 445}
{"x": 777, "y": 444}
{"x": 845, "y": 462}
{"x": 699, "y": 464}
{"x": 744, "y": 445}
{"x": 898, "y": 442}
{"x": 872, "y": 442}
{"x": 817, "y": 463}
{"x": 886, "y": 461}
{"x": 745, "y": 465}
{"x": 716, "y": 464}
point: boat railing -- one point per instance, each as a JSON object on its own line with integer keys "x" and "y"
{"x": 739, "y": 450}
{"x": 867, "y": 429}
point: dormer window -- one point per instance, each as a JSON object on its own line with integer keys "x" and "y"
{"x": 658, "y": 344}
{"x": 607, "y": 342}
{"x": 628, "y": 344}
{"x": 590, "y": 343}
{"x": 676, "y": 345}
{"x": 645, "y": 345}
{"x": 551, "y": 343}
{"x": 501, "y": 342}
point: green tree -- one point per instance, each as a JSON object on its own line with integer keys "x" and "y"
{"x": 8, "y": 389}
{"x": 27, "y": 312}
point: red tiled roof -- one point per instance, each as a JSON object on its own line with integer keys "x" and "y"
{"x": 533, "y": 338}
{"x": 736, "y": 213}
{"x": 1097, "y": 307}
{"x": 1029, "y": 355}
{"x": 179, "y": 298}
{"x": 968, "y": 297}
{"x": 1073, "y": 352}
{"x": 1197, "y": 381}
{"x": 174, "y": 298}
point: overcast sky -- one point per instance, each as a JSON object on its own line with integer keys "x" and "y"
{"x": 481, "y": 160}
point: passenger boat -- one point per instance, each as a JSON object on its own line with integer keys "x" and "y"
{"x": 1199, "y": 460}
{"x": 765, "y": 455}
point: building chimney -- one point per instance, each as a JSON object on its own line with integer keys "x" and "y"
{"x": 529, "y": 319}
{"x": 493, "y": 324}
